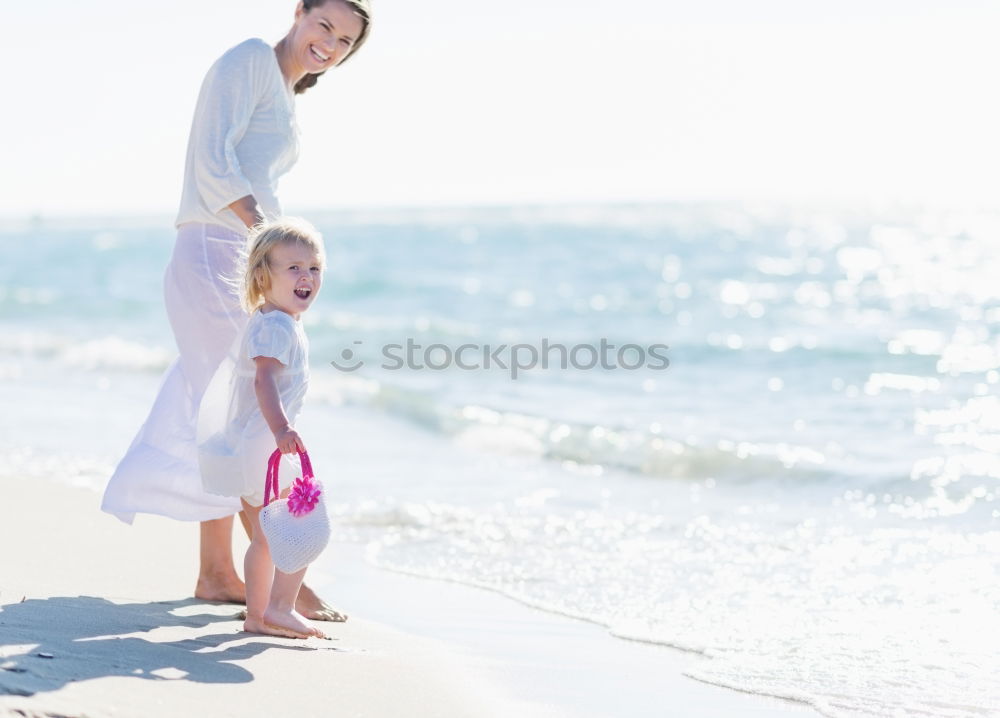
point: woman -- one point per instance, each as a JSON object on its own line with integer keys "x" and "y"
{"x": 243, "y": 138}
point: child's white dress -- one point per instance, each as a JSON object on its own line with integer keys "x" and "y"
{"x": 234, "y": 441}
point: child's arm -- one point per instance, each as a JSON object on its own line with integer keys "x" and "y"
{"x": 269, "y": 400}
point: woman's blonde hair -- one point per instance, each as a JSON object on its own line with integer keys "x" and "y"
{"x": 264, "y": 237}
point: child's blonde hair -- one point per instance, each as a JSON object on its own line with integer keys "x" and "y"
{"x": 262, "y": 239}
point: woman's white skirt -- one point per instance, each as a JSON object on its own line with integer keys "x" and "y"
{"x": 159, "y": 473}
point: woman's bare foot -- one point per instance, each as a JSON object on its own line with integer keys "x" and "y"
{"x": 259, "y": 625}
{"x": 217, "y": 577}
{"x": 290, "y": 621}
{"x": 224, "y": 588}
{"x": 312, "y": 606}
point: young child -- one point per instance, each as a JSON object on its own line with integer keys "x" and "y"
{"x": 258, "y": 396}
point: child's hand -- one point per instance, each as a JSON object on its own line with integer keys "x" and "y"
{"x": 289, "y": 441}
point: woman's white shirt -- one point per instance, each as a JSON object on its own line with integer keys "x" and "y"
{"x": 243, "y": 137}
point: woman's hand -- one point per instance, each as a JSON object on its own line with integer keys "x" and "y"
{"x": 289, "y": 441}
{"x": 248, "y": 212}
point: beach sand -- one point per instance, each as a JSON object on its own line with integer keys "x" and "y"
{"x": 96, "y": 621}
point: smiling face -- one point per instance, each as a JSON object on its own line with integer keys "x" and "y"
{"x": 324, "y": 35}
{"x": 295, "y": 275}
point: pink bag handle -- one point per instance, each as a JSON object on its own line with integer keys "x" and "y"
{"x": 271, "y": 479}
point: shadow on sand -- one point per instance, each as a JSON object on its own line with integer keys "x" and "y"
{"x": 47, "y": 643}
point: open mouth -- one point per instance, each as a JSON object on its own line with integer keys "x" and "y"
{"x": 303, "y": 292}
{"x": 320, "y": 57}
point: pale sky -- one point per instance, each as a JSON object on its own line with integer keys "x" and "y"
{"x": 457, "y": 102}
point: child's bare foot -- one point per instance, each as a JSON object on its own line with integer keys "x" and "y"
{"x": 312, "y": 606}
{"x": 260, "y": 625}
{"x": 224, "y": 588}
{"x": 291, "y": 621}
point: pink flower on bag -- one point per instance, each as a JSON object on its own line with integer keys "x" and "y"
{"x": 303, "y": 497}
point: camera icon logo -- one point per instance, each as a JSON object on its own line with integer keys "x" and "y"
{"x": 349, "y": 360}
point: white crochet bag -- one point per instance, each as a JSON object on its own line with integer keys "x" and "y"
{"x": 297, "y": 529}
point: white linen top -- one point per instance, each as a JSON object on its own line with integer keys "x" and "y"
{"x": 243, "y": 137}
{"x": 234, "y": 440}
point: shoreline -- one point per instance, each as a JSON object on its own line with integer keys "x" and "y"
{"x": 541, "y": 658}
{"x": 453, "y": 650}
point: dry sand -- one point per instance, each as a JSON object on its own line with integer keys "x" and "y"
{"x": 95, "y": 622}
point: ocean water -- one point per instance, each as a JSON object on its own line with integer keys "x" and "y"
{"x": 807, "y": 495}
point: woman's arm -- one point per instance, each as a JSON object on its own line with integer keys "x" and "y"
{"x": 228, "y": 98}
{"x": 247, "y": 210}
{"x": 269, "y": 400}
